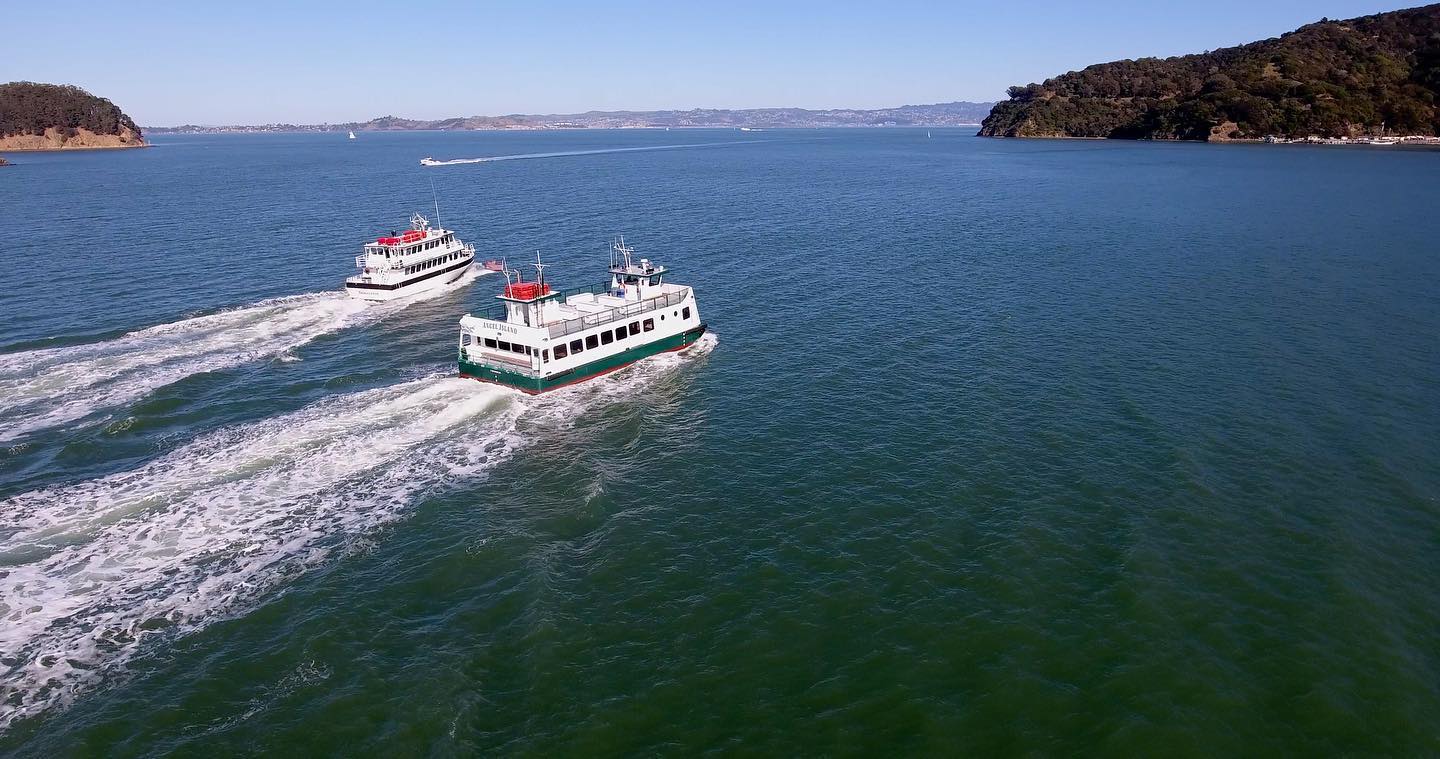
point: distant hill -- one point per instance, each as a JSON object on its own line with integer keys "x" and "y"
{"x": 49, "y": 116}
{"x": 937, "y": 115}
{"x": 1331, "y": 78}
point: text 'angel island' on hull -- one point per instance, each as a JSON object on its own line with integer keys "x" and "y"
{"x": 538, "y": 339}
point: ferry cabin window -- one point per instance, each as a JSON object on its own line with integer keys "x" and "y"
{"x": 489, "y": 342}
{"x": 465, "y": 339}
{"x": 685, "y": 313}
{"x": 504, "y": 346}
{"x": 575, "y": 346}
{"x": 606, "y": 337}
{"x": 634, "y": 328}
{"x": 561, "y": 352}
{"x": 620, "y": 333}
{"x": 545, "y": 355}
{"x": 649, "y": 324}
{"x": 593, "y": 341}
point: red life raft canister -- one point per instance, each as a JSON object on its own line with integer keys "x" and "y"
{"x": 526, "y": 290}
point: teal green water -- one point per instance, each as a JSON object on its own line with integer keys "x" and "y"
{"x": 998, "y": 447}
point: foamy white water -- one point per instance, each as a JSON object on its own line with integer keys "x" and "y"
{"x": 563, "y": 154}
{"x": 52, "y": 387}
{"x": 90, "y": 573}
{"x": 96, "y": 568}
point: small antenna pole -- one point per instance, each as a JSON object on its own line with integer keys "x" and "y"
{"x": 437, "y": 202}
{"x": 539, "y": 269}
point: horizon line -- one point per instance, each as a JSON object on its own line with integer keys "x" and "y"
{"x": 592, "y": 111}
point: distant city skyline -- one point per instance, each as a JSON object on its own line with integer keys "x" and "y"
{"x": 266, "y": 62}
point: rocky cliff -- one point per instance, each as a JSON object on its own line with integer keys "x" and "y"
{"x": 53, "y": 116}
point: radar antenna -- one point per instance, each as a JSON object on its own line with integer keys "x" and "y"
{"x": 540, "y": 270}
{"x": 620, "y": 252}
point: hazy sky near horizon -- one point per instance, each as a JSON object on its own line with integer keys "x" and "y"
{"x": 259, "y": 62}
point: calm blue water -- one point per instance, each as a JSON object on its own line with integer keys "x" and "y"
{"x": 998, "y": 447}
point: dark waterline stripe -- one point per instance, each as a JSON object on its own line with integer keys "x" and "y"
{"x": 421, "y": 278}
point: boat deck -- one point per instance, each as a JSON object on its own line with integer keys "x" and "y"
{"x": 581, "y": 308}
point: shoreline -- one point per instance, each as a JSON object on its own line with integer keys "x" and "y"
{"x": 65, "y": 149}
{"x": 553, "y": 129}
{"x": 1237, "y": 141}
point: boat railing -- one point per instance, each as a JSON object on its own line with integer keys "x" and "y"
{"x": 617, "y": 313}
{"x": 497, "y": 312}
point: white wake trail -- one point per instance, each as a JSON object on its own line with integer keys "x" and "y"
{"x": 567, "y": 153}
{"x": 92, "y": 573}
{"x": 52, "y": 387}
{"x": 88, "y": 572}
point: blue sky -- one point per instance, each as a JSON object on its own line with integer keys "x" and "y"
{"x": 255, "y": 62}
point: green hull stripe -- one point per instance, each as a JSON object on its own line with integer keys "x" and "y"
{"x": 584, "y": 371}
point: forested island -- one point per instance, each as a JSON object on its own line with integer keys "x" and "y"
{"x": 1372, "y": 75}
{"x": 57, "y": 116}
{"x": 958, "y": 113}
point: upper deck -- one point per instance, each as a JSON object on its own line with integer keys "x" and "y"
{"x": 416, "y": 246}
{"x": 576, "y": 309}
{"x": 411, "y": 243}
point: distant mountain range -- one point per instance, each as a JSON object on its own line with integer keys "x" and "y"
{"x": 936, "y": 115}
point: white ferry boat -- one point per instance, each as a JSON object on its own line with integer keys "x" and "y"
{"x": 537, "y": 339}
{"x": 418, "y": 260}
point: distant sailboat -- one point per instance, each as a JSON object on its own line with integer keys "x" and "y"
{"x": 352, "y": 135}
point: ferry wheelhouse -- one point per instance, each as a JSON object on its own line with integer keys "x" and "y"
{"x": 415, "y": 261}
{"x": 537, "y": 339}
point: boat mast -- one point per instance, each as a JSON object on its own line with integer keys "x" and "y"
{"x": 436, "y": 198}
{"x": 540, "y": 279}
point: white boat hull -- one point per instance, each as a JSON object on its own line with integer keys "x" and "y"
{"x": 366, "y": 291}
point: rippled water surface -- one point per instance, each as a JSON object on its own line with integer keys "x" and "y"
{"x": 996, "y": 447}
